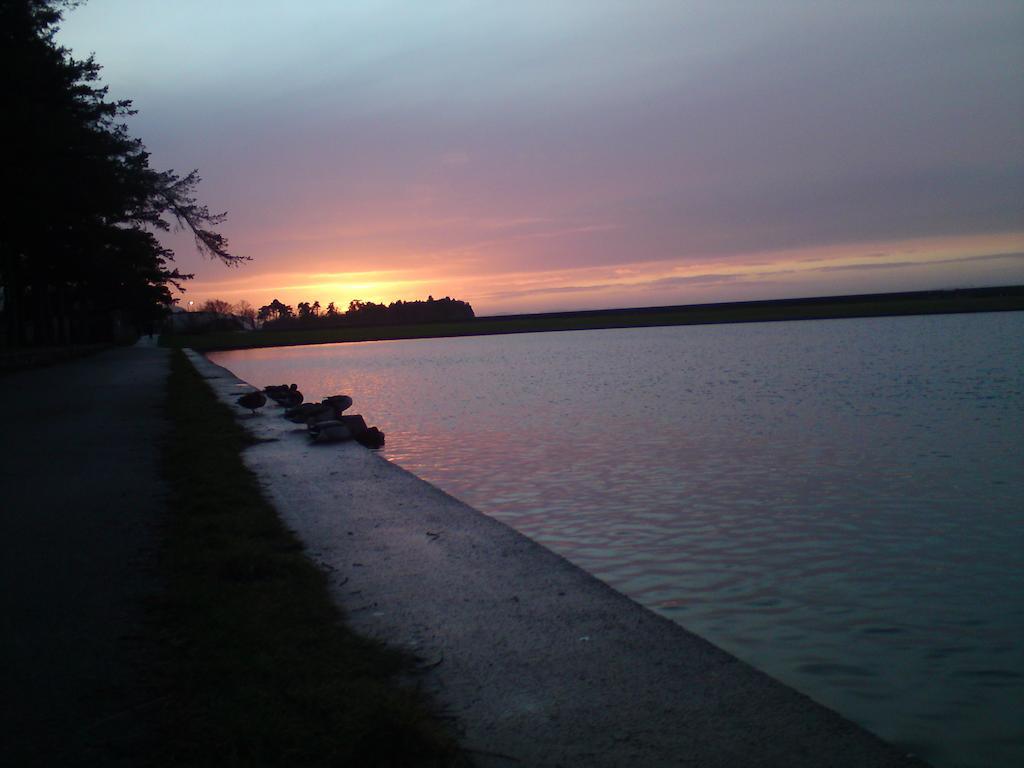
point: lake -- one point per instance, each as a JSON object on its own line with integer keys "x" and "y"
{"x": 839, "y": 503}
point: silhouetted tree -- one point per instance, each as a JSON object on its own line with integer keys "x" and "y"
{"x": 77, "y": 242}
{"x": 219, "y": 306}
{"x": 274, "y": 311}
{"x": 246, "y": 311}
{"x": 308, "y": 311}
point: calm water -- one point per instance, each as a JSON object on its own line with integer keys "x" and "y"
{"x": 840, "y": 503}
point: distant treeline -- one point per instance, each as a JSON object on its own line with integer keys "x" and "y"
{"x": 279, "y": 316}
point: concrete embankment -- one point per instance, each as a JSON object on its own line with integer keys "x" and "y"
{"x": 539, "y": 663}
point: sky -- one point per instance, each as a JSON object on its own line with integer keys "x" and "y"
{"x": 580, "y": 154}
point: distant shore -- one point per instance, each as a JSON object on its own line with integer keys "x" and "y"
{"x": 1000, "y": 299}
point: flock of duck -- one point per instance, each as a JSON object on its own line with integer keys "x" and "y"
{"x": 324, "y": 420}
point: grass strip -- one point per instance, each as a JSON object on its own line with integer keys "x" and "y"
{"x": 259, "y": 668}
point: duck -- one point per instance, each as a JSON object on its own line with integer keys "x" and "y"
{"x": 356, "y": 424}
{"x": 339, "y": 403}
{"x": 281, "y": 392}
{"x": 371, "y": 438}
{"x": 291, "y": 399}
{"x": 275, "y": 389}
{"x": 307, "y": 412}
{"x": 329, "y": 432}
{"x": 252, "y": 401}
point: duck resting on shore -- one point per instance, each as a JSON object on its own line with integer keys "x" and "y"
{"x": 252, "y": 401}
{"x": 307, "y": 413}
{"x": 339, "y": 403}
{"x": 287, "y": 395}
{"x": 329, "y": 432}
{"x": 328, "y": 409}
{"x": 291, "y": 399}
{"x": 343, "y": 428}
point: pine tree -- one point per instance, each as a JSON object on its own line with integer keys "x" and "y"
{"x": 78, "y": 242}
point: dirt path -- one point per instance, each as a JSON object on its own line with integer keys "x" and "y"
{"x": 80, "y": 493}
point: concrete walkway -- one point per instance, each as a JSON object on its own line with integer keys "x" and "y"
{"x": 539, "y": 663}
{"x": 80, "y": 493}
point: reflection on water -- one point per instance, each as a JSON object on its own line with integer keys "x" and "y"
{"x": 837, "y": 502}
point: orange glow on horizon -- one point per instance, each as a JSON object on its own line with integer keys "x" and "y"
{"x": 844, "y": 268}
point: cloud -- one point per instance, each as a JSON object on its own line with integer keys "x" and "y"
{"x": 493, "y": 140}
{"x": 874, "y": 265}
{"x": 633, "y": 287}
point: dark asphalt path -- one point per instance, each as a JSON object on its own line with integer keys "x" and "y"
{"x": 80, "y": 503}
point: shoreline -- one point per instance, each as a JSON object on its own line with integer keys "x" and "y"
{"x": 962, "y": 301}
{"x": 536, "y": 660}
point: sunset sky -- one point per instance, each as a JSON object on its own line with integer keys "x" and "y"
{"x": 573, "y": 154}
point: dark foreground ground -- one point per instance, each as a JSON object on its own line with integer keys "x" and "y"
{"x": 79, "y": 448}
